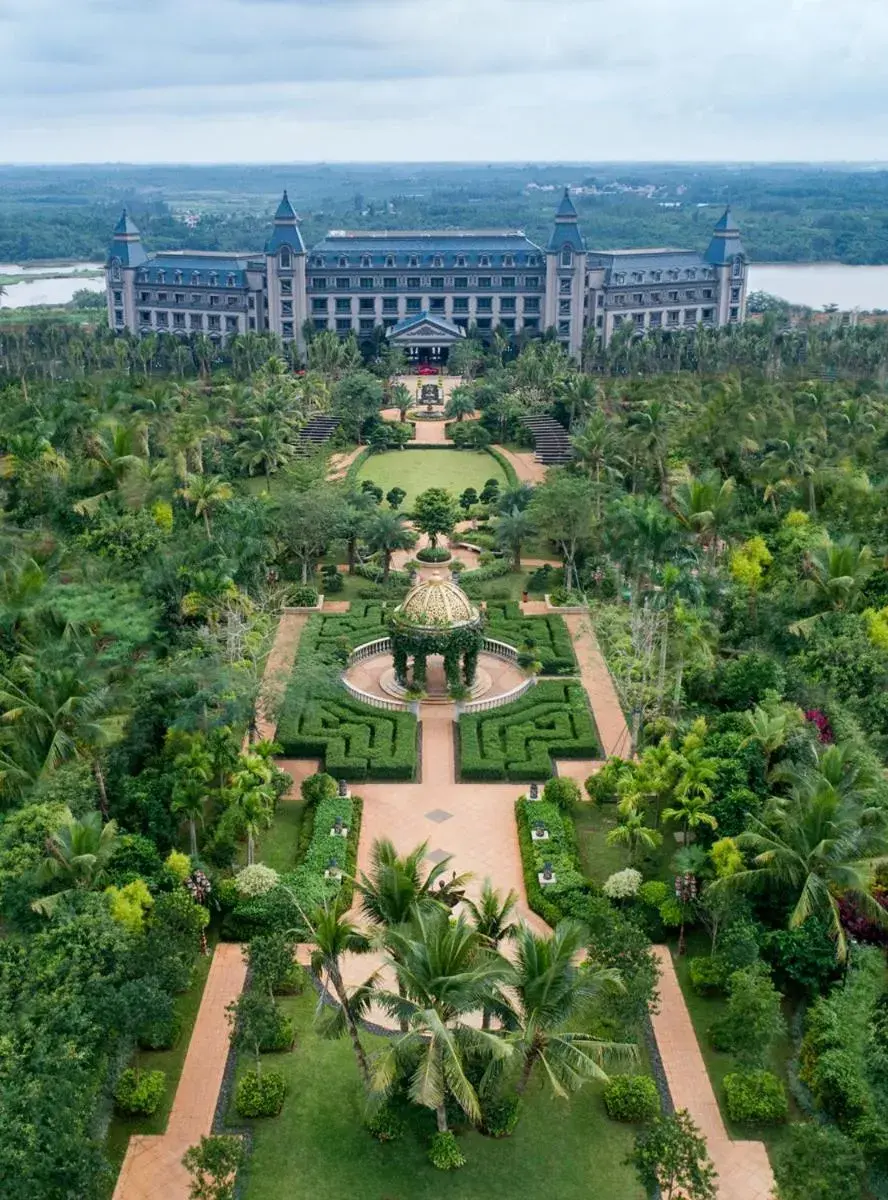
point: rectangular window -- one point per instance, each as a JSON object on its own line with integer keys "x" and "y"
{"x": 343, "y": 283}
{"x": 461, "y": 281}
{"x": 163, "y": 319}
{"x": 343, "y": 325}
{"x": 286, "y": 287}
{"x": 366, "y": 306}
{"x": 413, "y": 281}
{"x": 214, "y": 301}
{"x": 251, "y": 302}
{"x": 485, "y": 304}
{"x": 531, "y": 281}
{"x": 118, "y": 297}
{"x": 252, "y": 322}
{"x": 531, "y": 304}
{"x": 390, "y": 304}
{"x": 343, "y": 305}
{"x": 655, "y": 297}
{"x": 196, "y": 321}
{"x": 145, "y": 317}
{"x": 231, "y": 301}
{"x": 231, "y": 324}
{"x": 708, "y": 314}
{"x": 319, "y": 305}
{"x": 390, "y": 282}
{"x": 436, "y": 281}
{"x": 672, "y": 317}
{"x": 144, "y": 297}
{"x": 319, "y": 282}
{"x": 286, "y": 309}
{"x": 690, "y": 316}
{"x": 735, "y": 313}
{"x": 414, "y": 304}
{"x": 508, "y": 281}
{"x": 366, "y": 282}
{"x": 507, "y": 304}
{"x": 564, "y": 328}
{"x": 287, "y": 329}
{"x": 367, "y": 324}
{"x": 735, "y": 295}
{"x": 564, "y": 308}
{"x": 639, "y": 319}
{"x": 320, "y": 324}
{"x": 707, "y": 293}
{"x": 196, "y": 298}
{"x": 179, "y": 297}
{"x": 179, "y": 320}
{"x": 462, "y": 322}
{"x": 161, "y": 297}
{"x": 483, "y": 322}
{"x": 690, "y": 294}
{"x": 656, "y": 319}
{"x": 461, "y": 304}
{"x": 508, "y": 323}
{"x": 436, "y": 304}
{"x": 673, "y": 295}
{"x": 213, "y": 322}
{"x": 564, "y": 286}
{"x": 531, "y": 323}
{"x": 484, "y": 281}
{"x": 638, "y": 298}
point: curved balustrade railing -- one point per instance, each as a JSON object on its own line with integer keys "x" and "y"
{"x": 476, "y": 706}
{"x": 376, "y": 701}
{"x": 500, "y": 649}
{"x": 369, "y": 649}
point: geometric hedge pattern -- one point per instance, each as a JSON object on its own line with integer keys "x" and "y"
{"x": 519, "y": 741}
{"x": 354, "y": 740}
{"x": 330, "y": 632}
{"x": 548, "y": 635}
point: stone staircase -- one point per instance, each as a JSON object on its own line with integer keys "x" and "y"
{"x": 315, "y": 433}
{"x": 551, "y": 442}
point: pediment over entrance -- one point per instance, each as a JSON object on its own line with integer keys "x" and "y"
{"x": 425, "y": 330}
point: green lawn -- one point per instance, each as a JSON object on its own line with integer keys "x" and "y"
{"x": 416, "y": 470}
{"x": 593, "y": 823}
{"x": 317, "y": 1148}
{"x": 704, "y": 1010}
{"x": 276, "y": 847}
{"x": 171, "y": 1061}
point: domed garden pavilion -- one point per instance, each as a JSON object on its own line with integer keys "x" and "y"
{"x": 436, "y": 618}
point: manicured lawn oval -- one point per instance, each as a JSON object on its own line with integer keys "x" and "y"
{"x": 416, "y": 470}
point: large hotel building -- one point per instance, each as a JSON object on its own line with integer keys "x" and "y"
{"x": 426, "y": 288}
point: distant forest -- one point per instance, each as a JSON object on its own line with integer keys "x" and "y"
{"x": 801, "y": 213}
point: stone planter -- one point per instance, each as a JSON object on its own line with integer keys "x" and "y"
{"x": 566, "y": 608}
{"x": 306, "y": 608}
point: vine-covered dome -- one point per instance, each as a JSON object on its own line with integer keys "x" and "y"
{"x": 435, "y": 603}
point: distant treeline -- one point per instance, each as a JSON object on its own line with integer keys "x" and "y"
{"x": 787, "y": 214}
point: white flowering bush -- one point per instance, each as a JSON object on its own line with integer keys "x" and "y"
{"x": 256, "y": 880}
{"x": 622, "y": 885}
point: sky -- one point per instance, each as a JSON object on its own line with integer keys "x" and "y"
{"x": 442, "y": 80}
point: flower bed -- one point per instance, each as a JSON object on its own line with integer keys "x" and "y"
{"x": 520, "y": 740}
{"x": 433, "y": 554}
{"x": 552, "y": 644}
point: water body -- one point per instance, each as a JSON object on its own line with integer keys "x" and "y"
{"x": 818, "y": 284}
{"x": 41, "y": 288}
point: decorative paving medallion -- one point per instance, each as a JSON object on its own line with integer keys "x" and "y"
{"x": 439, "y": 814}
{"x": 437, "y": 856}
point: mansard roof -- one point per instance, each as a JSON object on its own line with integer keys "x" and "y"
{"x": 126, "y": 225}
{"x": 285, "y": 210}
{"x": 285, "y": 231}
{"x": 126, "y": 245}
{"x": 203, "y": 264}
{"x": 622, "y": 267}
{"x": 566, "y": 207}
{"x": 456, "y": 248}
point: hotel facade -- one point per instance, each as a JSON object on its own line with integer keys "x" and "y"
{"x": 425, "y": 288}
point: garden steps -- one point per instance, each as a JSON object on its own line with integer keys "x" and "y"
{"x": 744, "y": 1171}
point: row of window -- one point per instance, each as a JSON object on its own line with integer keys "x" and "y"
{"x": 346, "y": 283}
{"x": 195, "y": 278}
{"x": 658, "y": 276}
{"x": 176, "y": 320}
{"x": 199, "y": 299}
{"x": 636, "y": 298}
{"x": 368, "y": 324}
{"x": 415, "y": 304}
{"x": 673, "y": 316}
{"x": 415, "y": 260}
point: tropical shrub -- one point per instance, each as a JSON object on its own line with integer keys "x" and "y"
{"x": 433, "y": 554}
{"x": 260, "y": 1095}
{"x": 303, "y": 597}
{"x": 707, "y": 975}
{"x": 384, "y": 1124}
{"x": 817, "y": 1162}
{"x": 139, "y": 1093}
{"x": 561, "y": 791}
{"x": 754, "y": 1019}
{"x": 444, "y": 1152}
{"x": 500, "y": 1116}
{"x": 256, "y": 880}
{"x": 755, "y": 1098}
{"x": 282, "y": 1038}
{"x": 622, "y": 885}
{"x": 631, "y": 1098}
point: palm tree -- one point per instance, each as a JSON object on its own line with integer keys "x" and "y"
{"x": 512, "y": 530}
{"x": 769, "y": 728}
{"x": 550, "y": 989}
{"x": 461, "y": 404}
{"x": 491, "y": 915}
{"x": 595, "y": 449}
{"x": 78, "y": 854}
{"x": 837, "y": 571}
{"x": 396, "y": 889}
{"x": 266, "y": 444}
{"x": 333, "y": 936}
{"x": 704, "y": 503}
{"x": 205, "y": 492}
{"x": 632, "y": 833}
{"x": 253, "y": 795}
{"x": 812, "y": 849}
{"x": 385, "y": 532}
{"x": 194, "y": 771}
{"x": 444, "y": 974}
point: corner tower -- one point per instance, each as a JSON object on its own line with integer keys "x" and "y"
{"x": 125, "y": 255}
{"x": 566, "y": 278}
{"x": 285, "y": 275}
{"x": 726, "y": 255}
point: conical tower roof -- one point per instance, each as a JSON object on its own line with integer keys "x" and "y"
{"x": 566, "y": 207}
{"x": 286, "y": 230}
{"x": 126, "y": 245}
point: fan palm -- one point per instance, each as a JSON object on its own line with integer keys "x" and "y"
{"x": 461, "y": 404}
{"x": 511, "y": 531}
{"x": 551, "y": 989}
{"x": 385, "y": 532}
{"x": 78, "y": 854}
{"x": 444, "y": 974}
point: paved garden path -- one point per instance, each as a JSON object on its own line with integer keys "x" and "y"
{"x": 152, "y": 1168}
{"x": 278, "y": 666}
{"x": 744, "y": 1172}
{"x": 338, "y": 466}
{"x": 526, "y": 466}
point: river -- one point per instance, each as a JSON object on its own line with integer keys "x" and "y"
{"x": 818, "y": 284}
{"x": 812, "y": 284}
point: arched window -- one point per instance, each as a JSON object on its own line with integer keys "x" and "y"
{"x": 439, "y": 261}
{"x": 161, "y": 276}
{"x": 365, "y": 260}
{"x": 229, "y": 282}
{"x": 195, "y": 278}
{"x": 115, "y": 269}
{"x": 177, "y": 277}
{"x": 390, "y": 260}
{"x": 566, "y": 256}
{"x": 214, "y": 279}
{"x": 738, "y": 266}
{"x": 343, "y": 261}
{"x": 285, "y": 258}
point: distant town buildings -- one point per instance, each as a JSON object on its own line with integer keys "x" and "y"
{"x": 425, "y": 289}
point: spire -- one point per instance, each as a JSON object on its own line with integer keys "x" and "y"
{"x": 286, "y": 230}
{"x": 126, "y": 245}
{"x": 566, "y": 231}
{"x": 725, "y": 244}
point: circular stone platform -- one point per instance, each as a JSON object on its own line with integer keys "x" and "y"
{"x": 497, "y": 675}
{"x": 436, "y": 683}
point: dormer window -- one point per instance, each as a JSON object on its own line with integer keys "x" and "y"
{"x": 414, "y": 261}
{"x": 318, "y": 260}
{"x": 285, "y": 258}
{"x": 365, "y": 260}
{"x": 143, "y": 277}
{"x": 230, "y": 281}
{"x": 460, "y": 260}
{"x": 566, "y": 256}
{"x": 508, "y": 260}
{"x": 532, "y": 260}
{"x": 177, "y": 277}
{"x": 484, "y": 260}
{"x": 690, "y": 274}
{"x": 619, "y": 277}
{"x": 390, "y": 260}
{"x": 343, "y": 261}
{"x": 161, "y": 276}
{"x": 438, "y": 261}
{"x": 195, "y": 278}
{"x": 656, "y": 276}
{"x": 214, "y": 279}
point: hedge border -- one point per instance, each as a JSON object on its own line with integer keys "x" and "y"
{"x": 351, "y": 475}
{"x": 511, "y": 473}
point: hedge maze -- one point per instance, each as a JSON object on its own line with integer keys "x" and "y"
{"x": 332, "y": 634}
{"x": 520, "y": 740}
{"x": 546, "y": 638}
{"x": 354, "y": 740}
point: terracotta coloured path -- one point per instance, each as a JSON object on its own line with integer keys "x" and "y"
{"x": 744, "y": 1172}
{"x": 152, "y": 1168}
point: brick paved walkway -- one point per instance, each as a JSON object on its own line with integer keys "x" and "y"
{"x": 152, "y": 1168}
{"x": 278, "y": 666}
{"x": 526, "y": 466}
{"x": 744, "y": 1172}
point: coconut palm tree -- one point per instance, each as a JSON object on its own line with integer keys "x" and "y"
{"x": 634, "y": 834}
{"x": 812, "y": 849}
{"x": 595, "y": 447}
{"x": 266, "y": 444}
{"x": 333, "y": 936}
{"x": 491, "y": 915}
{"x": 396, "y": 888}
{"x": 511, "y": 531}
{"x": 704, "y": 503}
{"x": 78, "y": 854}
{"x": 205, "y": 492}
{"x": 461, "y": 404}
{"x": 444, "y": 974}
{"x": 551, "y": 989}
{"x": 385, "y": 532}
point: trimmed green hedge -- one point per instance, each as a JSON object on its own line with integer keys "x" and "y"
{"x": 552, "y": 645}
{"x": 560, "y": 850}
{"x": 354, "y": 740}
{"x": 520, "y": 740}
{"x": 511, "y": 473}
{"x": 332, "y": 633}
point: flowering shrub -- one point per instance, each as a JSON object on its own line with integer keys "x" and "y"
{"x": 256, "y": 880}
{"x": 820, "y": 720}
{"x": 622, "y": 885}
{"x": 178, "y": 864}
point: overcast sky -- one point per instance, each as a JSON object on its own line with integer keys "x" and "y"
{"x": 348, "y": 80}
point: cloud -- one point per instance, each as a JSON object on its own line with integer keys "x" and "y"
{"x": 182, "y": 80}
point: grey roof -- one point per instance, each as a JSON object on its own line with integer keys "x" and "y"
{"x": 126, "y": 246}
{"x": 726, "y": 223}
{"x": 285, "y": 231}
{"x": 285, "y": 211}
{"x": 425, "y": 318}
{"x": 566, "y": 207}
{"x": 203, "y": 263}
{"x": 566, "y": 231}
{"x": 126, "y": 224}
{"x": 725, "y": 245}
{"x": 645, "y": 262}
{"x": 469, "y": 245}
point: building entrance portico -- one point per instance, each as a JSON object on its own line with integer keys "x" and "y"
{"x": 425, "y": 338}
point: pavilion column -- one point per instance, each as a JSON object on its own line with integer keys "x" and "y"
{"x": 451, "y": 666}
{"x": 419, "y": 670}
{"x": 399, "y": 657}
{"x": 470, "y": 666}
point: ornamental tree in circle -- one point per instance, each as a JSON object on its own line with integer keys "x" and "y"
{"x": 434, "y": 513}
